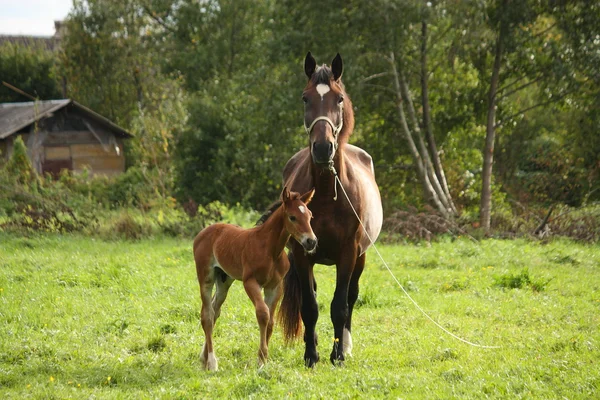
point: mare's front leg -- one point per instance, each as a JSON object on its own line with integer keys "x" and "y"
{"x": 310, "y": 309}
{"x": 339, "y": 304}
{"x": 253, "y": 290}
{"x": 352, "y": 297}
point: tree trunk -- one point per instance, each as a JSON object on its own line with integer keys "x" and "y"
{"x": 427, "y": 126}
{"x": 430, "y": 194}
{"x": 423, "y": 149}
{"x": 490, "y": 132}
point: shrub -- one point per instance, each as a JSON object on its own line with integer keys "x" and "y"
{"x": 18, "y": 166}
{"x": 519, "y": 281}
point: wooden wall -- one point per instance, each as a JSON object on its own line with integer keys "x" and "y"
{"x": 84, "y": 150}
{"x": 70, "y": 140}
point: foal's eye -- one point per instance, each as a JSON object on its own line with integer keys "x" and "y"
{"x": 341, "y": 100}
{"x": 304, "y": 99}
{"x": 292, "y": 218}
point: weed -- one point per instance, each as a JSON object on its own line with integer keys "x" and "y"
{"x": 520, "y": 280}
{"x": 157, "y": 344}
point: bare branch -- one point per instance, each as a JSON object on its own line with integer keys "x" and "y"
{"x": 523, "y": 86}
{"x": 157, "y": 19}
{"x": 440, "y": 35}
{"x": 512, "y": 83}
{"x": 523, "y": 111}
{"x": 384, "y": 88}
{"x": 375, "y": 76}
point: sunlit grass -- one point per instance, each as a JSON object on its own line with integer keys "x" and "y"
{"x": 81, "y": 317}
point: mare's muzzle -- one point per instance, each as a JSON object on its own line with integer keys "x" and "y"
{"x": 322, "y": 153}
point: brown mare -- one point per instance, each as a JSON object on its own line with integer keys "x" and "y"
{"x": 224, "y": 253}
{"x": 329, "y": 121}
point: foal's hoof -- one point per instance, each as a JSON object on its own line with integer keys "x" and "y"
{"x": 211, "y": 363}
{"x": 311, "y": 359}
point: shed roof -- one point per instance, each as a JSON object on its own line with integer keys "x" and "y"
{"x": 16, "y": 116}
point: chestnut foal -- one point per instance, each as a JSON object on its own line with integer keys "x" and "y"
{"x": 224, "y": 253}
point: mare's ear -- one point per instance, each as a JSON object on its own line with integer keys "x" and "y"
{"x": 310, "y": 64}
{"x": 285, "y": 194}
{"x": 337, "y": 67}
{"x": 307, "y": 197}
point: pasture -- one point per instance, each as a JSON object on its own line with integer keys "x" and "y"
{"x": 81, "y": 318}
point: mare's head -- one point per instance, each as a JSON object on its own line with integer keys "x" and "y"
{"x": 328, "y": 115}
{"x": 297, "y": 218}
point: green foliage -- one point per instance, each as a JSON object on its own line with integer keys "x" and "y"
{"x": 31, "y": 68}
{"x": 519, "y": 281}
{"x": 19, "y": 166}
{"x": 212, "y": 94}
{"x": 83, "y": 317}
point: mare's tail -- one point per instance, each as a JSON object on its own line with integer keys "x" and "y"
{"x": 289, "y": 312}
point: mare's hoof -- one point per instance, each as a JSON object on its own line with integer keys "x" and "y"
{"x": 311, "y": 360}
{"x": 337, "y": 359}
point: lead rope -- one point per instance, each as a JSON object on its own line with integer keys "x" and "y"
{"x": 334, "y": 172}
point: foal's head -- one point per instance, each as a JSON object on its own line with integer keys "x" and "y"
{"x": 328, "y": 115}
{"x": 297, "y": 218}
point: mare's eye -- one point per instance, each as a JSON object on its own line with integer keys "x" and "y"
{"x": 341, "y": 100}
{"x": 292, "y": 218}
{"x": 304, "y": 99}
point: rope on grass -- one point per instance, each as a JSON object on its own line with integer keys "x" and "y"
{"x": 398, "y": 282}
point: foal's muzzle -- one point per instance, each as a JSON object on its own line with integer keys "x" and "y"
{"x": 309, "y": 243}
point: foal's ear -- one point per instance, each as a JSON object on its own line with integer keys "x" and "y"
{"x": 337, "y": 67}
{"x": 285, "y": 194}
{"x": 307, "y": 197}
{"x": 310, "y": 64}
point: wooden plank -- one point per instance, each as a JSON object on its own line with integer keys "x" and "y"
{"x": 55, "y": 166}
{"x": 104, "y": 172}
{"x": 100, "y": 163}
{"x": 91, "y": 150}
{"x": 70, "y": 137}
{"x": 3, "y": 149}
{"x": 58, "y": 153}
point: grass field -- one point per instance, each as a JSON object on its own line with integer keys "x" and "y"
{"x": 83, "y": 318}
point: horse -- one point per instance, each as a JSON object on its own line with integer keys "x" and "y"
{"x": 329, "y": 122}
{"x": 224, "y": 253}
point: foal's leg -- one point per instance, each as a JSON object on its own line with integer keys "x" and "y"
{"x": 223, "y": 283}
{"x": 272, "y": 297}
{"x": 253, "y": 290}
{"x": 339, "y": 304}
{"x": 352, "y": 296}
{"x": 207, "y": 315}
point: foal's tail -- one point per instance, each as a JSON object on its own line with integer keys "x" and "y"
{"x": 289, "y": 312}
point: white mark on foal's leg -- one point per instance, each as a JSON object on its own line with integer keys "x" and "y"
{"x": 323, "y": 89}
{"x": 347, "y": 343}
{"x": 211, "y": 362}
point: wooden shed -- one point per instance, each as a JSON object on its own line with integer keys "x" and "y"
{"x": 63, "y": 134}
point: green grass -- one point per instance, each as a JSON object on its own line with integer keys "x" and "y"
{"x": 83, "y": 318}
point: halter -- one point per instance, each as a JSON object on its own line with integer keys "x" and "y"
{"x": 336, "y": 129}
{"x": 336, "y": 132}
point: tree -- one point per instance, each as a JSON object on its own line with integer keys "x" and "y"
{"x": 29, "y": 68}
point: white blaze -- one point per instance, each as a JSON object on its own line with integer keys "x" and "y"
{"x": 302, "y": 209}
{"x": 323, "y": 89}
